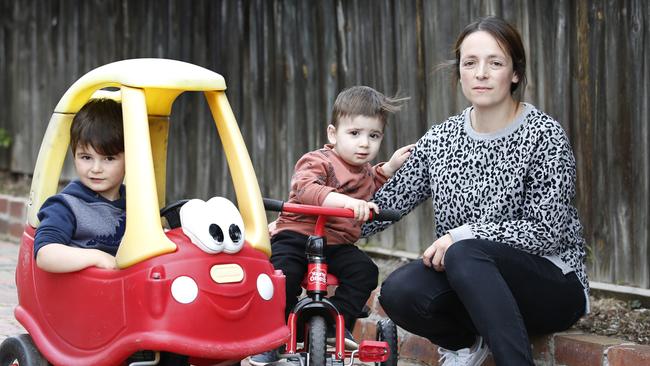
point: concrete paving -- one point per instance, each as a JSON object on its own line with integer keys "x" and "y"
{"x": 8, "y": 298}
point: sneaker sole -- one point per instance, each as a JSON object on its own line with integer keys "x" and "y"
{"x": 481, "y": 357}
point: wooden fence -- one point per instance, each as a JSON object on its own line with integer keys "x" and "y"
{"x": 285, "y": 61}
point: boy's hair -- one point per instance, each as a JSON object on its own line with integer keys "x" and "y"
{"x": 364, "y": 101}
{"x": 98, "y": 124}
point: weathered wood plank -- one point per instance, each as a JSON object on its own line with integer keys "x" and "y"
{"x": 285, "y": 61}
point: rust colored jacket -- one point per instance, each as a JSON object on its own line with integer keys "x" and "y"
{"x": 318, "y": 173}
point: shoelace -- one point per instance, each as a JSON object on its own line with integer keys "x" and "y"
{"x": 453, "y": 358}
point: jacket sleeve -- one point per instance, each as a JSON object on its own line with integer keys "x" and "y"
{"x": 407, "y": 188}
{"x": 57, "y": 223}
{"x": 547, "y": 205}
{"x": 309, "y": 181}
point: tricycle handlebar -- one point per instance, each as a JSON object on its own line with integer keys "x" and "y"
{"x": 281, "y": 206}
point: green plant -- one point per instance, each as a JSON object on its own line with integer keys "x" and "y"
{"x": 5, "y": 138}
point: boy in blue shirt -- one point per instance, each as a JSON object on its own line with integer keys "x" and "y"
{"x": 82, "y": 226}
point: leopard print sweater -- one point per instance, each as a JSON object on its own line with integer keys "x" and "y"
{"x": 513, "y": 186}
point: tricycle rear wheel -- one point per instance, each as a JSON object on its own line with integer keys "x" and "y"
{"x": 387, "y": 332}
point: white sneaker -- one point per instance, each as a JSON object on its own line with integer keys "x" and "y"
{"x": 465, "y": 356}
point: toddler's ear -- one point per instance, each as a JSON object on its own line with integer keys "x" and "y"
{"x": 331, "y": 134}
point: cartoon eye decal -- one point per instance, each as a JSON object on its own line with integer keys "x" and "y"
{"x": 235, "y": 233}
{"x": 205, "y": 222}
{"x": 216, "y": 233}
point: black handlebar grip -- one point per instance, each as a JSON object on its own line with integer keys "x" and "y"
{"x": 273, "y": 205}
{"x": 387, "y": 215}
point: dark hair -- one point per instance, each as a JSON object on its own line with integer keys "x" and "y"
{"x": 98, "y": 124}
{"x": 510, "y": 41}
{"x": 364, "y": 101}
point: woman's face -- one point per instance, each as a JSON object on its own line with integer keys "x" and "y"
{"x": 485, "y": 71}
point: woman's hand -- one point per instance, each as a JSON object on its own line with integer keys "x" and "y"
{"x": 399, "y": 157}
{"x": 434, "y": 255}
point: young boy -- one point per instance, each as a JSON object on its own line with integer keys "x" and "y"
{"x": 83, "y": 225}
{"x": 338, "y": 175}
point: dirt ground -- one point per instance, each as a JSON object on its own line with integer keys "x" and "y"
{"x": 612, "y": 317}
{"x": 617, "y": 318}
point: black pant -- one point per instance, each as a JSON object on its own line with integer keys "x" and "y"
{"x": 357, "y": 273}
{"x": 487, "y": 289}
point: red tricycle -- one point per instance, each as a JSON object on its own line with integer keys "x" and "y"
{"x": 314, "y": 314}
{"x": 209, "y": 304}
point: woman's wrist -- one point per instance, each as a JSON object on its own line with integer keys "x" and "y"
{"x": 386, "y": 170}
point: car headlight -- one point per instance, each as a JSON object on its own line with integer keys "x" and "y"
{"x": 185, "y": 290}
{"x": 265, "y": 286}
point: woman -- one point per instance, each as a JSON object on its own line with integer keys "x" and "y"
{"x": 509, "y": 258}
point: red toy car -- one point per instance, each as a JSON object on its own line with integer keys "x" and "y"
{"x": 170, "y": 295}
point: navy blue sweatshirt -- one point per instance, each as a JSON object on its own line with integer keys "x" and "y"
{"x": 80, "y": 217}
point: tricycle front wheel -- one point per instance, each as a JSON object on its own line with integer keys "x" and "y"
{"x": 317, "y": 340}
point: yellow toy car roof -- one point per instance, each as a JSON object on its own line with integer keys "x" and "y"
{"x": 147, "y": 89}
{"x": 144, "y": 73}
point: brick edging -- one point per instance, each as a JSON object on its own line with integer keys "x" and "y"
{"x": 13, "y": 212}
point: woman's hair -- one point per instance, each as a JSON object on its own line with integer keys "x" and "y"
{"x": 98, "y": 124}
{"x": 364, "y": 101}
{"x": 508, "y": 39}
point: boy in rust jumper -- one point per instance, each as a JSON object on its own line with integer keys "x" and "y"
{"x": 338, "y": 175}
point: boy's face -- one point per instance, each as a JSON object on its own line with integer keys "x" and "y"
{"x": 357, "y": 138}
{"x": 101, "y": 173}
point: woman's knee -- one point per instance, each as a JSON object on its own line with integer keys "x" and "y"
{"x": 414, "y": 295}
{"x": 458, "y": 250}
{"x": 460, "y": 257}
{"x": 391, "y": 291}
{"x": 463, "y": 251}
{"x": 405, "y": 287}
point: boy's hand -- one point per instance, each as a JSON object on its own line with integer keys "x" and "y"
{"x": 361, "y": 208}
{"x": 103, "y": 260}
{"x": 60, "y": 258}
{"x": 272, "y": 226}
{"x": 399, "y": 157}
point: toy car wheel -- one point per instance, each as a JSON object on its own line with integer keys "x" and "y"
{"x": 317, "y": 340}
{"x": 173, "y": 359}
{"x": 387, "y": 332}
{"x": 20, "y": 351}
